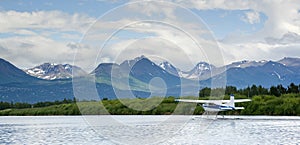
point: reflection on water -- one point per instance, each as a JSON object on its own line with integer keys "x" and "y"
{"x": 140, "y": 129}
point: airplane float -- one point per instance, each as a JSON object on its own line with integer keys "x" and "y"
{"x": 217, "y": 105}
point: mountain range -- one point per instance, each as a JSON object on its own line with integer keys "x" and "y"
{"x": 49, "y": 82}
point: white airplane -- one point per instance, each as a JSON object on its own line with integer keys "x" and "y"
{"x": 217, "y": 105}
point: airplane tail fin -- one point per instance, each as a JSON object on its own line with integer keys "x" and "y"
{"x": 231, "y": 102}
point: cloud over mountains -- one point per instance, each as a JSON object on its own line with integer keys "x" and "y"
{"x": 54, "y": 32}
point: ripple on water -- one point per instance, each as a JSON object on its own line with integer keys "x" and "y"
{"x": 139, "y": 129}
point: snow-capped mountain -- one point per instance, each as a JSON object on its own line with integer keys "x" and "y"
{"x": 292, "y": 62}
{"x": 168, "y": 67}
{"x": 266, "y": 75}
{"x": 51, "y": 71}
{"x": 138, "y": 73}
{"x": 132, "y": 62}
{"x": 246, "y": 63}
{"x": 204, "y": 70}
{"x": 140, "y": 68}
{"x": 201, "y": 69}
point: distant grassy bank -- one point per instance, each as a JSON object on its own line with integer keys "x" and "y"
{"x": 286, "y": 104}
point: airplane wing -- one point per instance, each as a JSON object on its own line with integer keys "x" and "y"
{"x": 197, "y": 101}
{"x": 235, "y": 100}
{"x": 241, "y": 100}
{"x": 211, "y": 101}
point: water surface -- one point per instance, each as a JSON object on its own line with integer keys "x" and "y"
{"x": 149, "y": 130}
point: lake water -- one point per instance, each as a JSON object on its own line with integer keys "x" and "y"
{"x": 149, "y": 130}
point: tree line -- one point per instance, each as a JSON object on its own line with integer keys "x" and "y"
{"x": 20, "y": 105}
{"x": 251, "y": 91}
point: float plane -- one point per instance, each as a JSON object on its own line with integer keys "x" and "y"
{"x": 217, "y": 105}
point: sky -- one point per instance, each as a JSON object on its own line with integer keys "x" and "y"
{"x": 183, "y": 32}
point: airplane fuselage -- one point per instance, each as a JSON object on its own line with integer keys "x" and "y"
{"x": 217, "y": 108}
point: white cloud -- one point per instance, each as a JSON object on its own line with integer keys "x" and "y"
{"x": 47, "y": 20}
{"x": 283, "y": 16}
{"x": 287, "y": 39}
{"x": 259, "y": 51}
{"x": 165, "y": 36}
{"x": 170, "y": 42}
{"x": 278, "y": 37}
{"x": 215, "y": 4}
{"x": 157, "y": 49}
{"x": 251, "y": 17}
{"x": 30, "y": 51}
{"x": 40, "y": 36}
{"x": 239, "y": 47}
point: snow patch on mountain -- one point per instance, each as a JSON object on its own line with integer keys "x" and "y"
{"x": 199, "y": 70}
{"x": 168, "y": 67}
{"x": 246, "y": 63}
{"x": 52, "y": 71}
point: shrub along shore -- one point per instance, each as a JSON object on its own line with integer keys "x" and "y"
{"x": 287, "y": 104}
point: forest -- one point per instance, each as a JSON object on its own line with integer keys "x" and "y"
{"x": 276, "y": 100}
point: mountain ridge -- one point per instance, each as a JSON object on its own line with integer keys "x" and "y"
{"x": 16, "y": 85}
{"x": 200, "y": 71}
{"x": 11, "y": 74}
